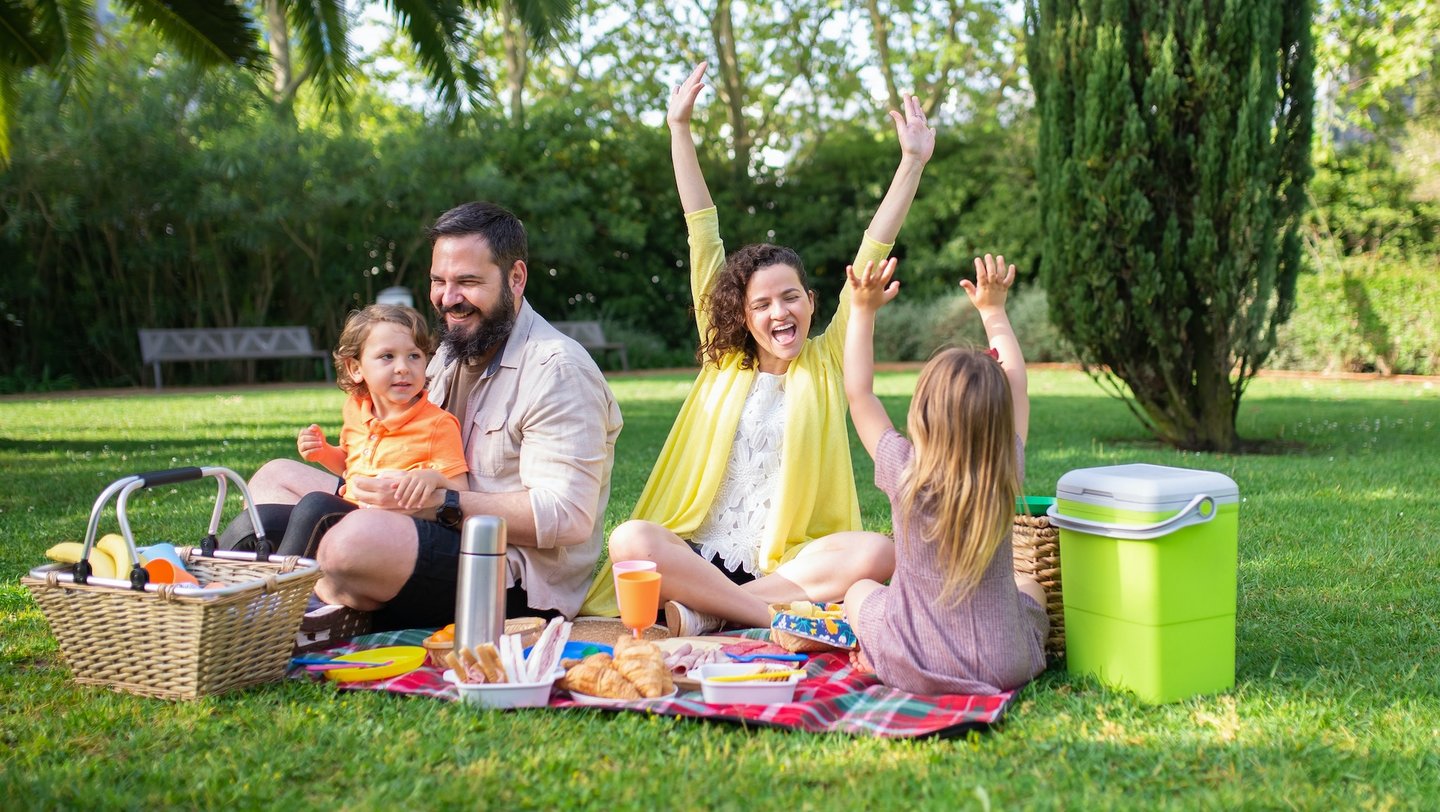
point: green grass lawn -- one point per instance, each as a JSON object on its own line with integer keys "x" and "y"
{"x": 1337, "y": 702}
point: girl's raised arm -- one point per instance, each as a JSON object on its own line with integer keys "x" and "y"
{"x": 917, "y": 144}
{"x": 870, "y": 289}
{"x": 993, "y": 279}
{"x": 694, "y": 194}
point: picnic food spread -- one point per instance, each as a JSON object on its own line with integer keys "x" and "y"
{"x": 685, "y": 658}
{"x": 507, "y": 662}
{"x": 442, "y": 641}
{"x": 636, "y": 671}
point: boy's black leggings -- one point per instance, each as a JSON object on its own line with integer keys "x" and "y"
{"x": 293, "y": 529}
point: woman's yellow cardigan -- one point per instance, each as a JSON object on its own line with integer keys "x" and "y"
{"x": 817, "y": 485}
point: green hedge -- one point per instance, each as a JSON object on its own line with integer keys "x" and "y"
{"x": 911, "y": 329}
{"x": 1365, "y": 315}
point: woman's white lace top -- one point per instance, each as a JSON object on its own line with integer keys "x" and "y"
{"x": 731, "y": 530}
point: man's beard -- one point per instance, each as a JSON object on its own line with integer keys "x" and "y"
{"x": 491, "y": 331}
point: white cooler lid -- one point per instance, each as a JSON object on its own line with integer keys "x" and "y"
{"x": 1141, "y": 486}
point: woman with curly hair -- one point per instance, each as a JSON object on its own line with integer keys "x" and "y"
{"x": 752, "y": 500}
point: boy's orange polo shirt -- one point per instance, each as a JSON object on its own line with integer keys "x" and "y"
{"x": 422, "y": 436}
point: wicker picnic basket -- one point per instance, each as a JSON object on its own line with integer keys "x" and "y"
{"x": 1036, "y": 547}
{"x": 169, "y": 641}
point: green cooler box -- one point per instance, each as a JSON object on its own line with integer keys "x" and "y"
{"x": 1149, "y": 558}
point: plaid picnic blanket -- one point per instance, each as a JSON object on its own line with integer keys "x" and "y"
{"x": 832, "y": 698}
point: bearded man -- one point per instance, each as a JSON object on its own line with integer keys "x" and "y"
{"x": 538, "y": 423}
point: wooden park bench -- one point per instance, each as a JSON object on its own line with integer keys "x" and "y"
{"x": 591, "y": 337}
{"x": 229, "y": 344}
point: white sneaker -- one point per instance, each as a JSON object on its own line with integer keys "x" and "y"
{"x": 686, "y": 622}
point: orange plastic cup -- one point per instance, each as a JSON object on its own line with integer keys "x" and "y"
{"x": 636, "y": 565}
{"x": 638, "y": 593}
{"x": 162, "y": 571}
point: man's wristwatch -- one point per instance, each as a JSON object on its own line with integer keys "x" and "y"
{"x": 449, "y": 513}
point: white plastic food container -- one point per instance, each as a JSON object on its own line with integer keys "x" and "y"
{"x": 757, "y": 692}
{"x": 503, "y": 694}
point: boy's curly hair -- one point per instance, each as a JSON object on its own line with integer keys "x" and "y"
{"x": 725, "y": 302}
{"x": 357, "y": 330}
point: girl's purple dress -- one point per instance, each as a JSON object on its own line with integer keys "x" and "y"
{"x": 992, "y": 641}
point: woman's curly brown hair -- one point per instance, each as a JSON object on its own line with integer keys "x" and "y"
{"x": 725, "y": 302}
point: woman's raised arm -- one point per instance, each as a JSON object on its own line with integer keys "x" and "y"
{"x": 694, "y": 194}
{"x": 917, "y": 144}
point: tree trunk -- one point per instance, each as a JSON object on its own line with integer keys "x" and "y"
{"x": 881, "y": 27}
{"x": 722, "y": 29}
{"x": 517, "y": 59}
{"x": 282, "y": 84}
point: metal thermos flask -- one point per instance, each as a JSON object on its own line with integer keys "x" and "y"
{"x": 480, "y": 592}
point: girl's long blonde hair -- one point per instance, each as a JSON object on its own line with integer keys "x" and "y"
{"x": 965, "y": 475}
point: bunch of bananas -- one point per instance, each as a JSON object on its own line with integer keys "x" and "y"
{"x": 109, "y": 558}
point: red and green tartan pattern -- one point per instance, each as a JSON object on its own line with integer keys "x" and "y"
{"x": 832, "y": 698}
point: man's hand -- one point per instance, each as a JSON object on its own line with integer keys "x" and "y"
{"x": 383, "y": 492}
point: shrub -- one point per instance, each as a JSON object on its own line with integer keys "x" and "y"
{"x": 1364, "y": 203}
{"x": 646, "y": 349}
{"x": 906, "y": 330}
{"x": 1365, "y": 314}
{"x": 912, "y": 329}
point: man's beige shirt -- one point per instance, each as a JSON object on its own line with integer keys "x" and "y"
{"x": 540, "y": 419}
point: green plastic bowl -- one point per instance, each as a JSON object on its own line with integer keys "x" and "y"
{"x": 1033, "y": 505}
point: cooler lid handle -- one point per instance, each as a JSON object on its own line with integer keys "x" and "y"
{"x": 1200, "y": 510}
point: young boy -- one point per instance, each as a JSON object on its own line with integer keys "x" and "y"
{"x": 390, "y": 427}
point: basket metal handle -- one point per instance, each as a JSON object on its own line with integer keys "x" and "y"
{"x": 152, "y": 479}
{"x": 1200, "y": 510}
{"x": 121, "y": 489}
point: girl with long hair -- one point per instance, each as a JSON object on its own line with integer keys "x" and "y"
{"x": 955, "y": 618}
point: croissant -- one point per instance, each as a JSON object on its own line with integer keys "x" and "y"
{"x": 643, "y": 664}
{"x": 597, "y": 678}
{"x": 584, "y": 669}
{"x": 599, "y": 660}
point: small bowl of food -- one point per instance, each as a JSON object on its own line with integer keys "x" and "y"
{"x": 503, "y": 694}
{"x": 748, "y": 683}
{"x": 438, "y": 645}
{"x": 442, "y": 642}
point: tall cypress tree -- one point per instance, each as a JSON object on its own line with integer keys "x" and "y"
{"x": 1174, "y": 152}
